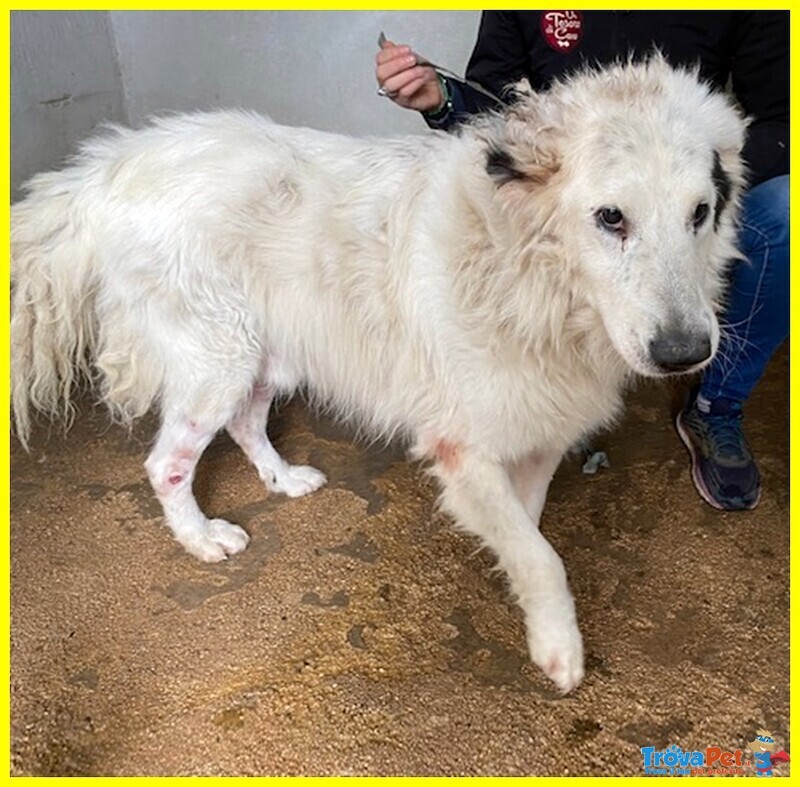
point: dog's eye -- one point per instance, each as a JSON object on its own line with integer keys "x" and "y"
{"x": 700, "y": 215}
{"x": 610, "y": 219}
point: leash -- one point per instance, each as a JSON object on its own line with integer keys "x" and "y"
{"x": 445, "y": 72}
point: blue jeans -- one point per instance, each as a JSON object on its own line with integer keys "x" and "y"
{"x": 756, "y": 320}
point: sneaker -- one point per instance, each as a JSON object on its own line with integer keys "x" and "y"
{"x": 723, "y": 469}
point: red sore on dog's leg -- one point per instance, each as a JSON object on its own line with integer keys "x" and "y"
{"x": 448, "y": 455}
{"x": 175, "y": 479}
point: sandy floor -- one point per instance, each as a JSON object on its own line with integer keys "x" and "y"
{"x": 360, "y": 634}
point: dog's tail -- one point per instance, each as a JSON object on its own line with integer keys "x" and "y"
{"x": 53, "y": 281}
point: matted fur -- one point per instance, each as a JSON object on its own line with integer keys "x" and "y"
{"x": 461, "y": 291}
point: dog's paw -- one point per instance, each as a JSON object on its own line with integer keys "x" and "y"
{"x": 298, "y": 480}
{"x": 216, "y": 542}
{"x": 557, "y": 648}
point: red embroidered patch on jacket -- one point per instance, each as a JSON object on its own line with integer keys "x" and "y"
{"x": 562, "y": 29}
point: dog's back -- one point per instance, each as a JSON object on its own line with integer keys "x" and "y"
{"x": 223, "y": 249}
{"x": 195, "y": 247}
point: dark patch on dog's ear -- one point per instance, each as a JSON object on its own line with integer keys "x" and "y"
{"x": 501, "y": 166}
{"x": 723, "y": 187}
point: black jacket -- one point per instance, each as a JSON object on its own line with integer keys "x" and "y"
{"x": 749, "y": 48}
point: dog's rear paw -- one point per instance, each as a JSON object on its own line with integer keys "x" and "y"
{"x": 298, "y": 480}
{"x": 217, "y": 542}
{"x": 558, "y": 649}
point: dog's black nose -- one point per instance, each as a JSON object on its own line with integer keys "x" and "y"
{"x": 677, "y": 351}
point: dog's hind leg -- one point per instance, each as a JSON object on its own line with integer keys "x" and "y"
{"x": 171, "y": 467}
{"x": 249, "y": 429}
{"x": 479, "y": 492}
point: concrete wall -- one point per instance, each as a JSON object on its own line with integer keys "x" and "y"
{"x": 64, "y": 81}
{"x": 310, "y": 68}
{"x": 71, "y": 70}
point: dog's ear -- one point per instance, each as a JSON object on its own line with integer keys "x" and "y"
{"x": 500, "y": 165}
{"x": 522, "y": 146}
{"x": 723, "y": 185}
{"x": 726, "y": 130}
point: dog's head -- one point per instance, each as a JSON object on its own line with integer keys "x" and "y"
{"x": 634, "y": 172}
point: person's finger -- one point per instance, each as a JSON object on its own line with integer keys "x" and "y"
{"x": 394, "y": 67}
{"x": 410, "y": 88}
{"x": 390, "y": 52}
{"x": 396, "y": 83}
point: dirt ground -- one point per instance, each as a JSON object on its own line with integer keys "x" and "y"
{"x": 361, "y": 634}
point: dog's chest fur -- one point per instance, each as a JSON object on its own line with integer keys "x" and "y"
{"x": 430, "y": 379}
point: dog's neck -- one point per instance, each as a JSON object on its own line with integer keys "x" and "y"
{"x": 516, "y": 278}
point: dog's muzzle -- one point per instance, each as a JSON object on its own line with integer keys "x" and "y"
{"x": 679, "y": 351}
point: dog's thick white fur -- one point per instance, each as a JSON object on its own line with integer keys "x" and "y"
{"x": 485, "y": 295}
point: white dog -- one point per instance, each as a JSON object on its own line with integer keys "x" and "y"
{"x": 485, "y": 295}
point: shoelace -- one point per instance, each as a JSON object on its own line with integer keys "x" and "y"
{"x": 725, "y": 433}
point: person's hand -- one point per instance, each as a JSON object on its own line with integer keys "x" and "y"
{"x": 407, "y": 84}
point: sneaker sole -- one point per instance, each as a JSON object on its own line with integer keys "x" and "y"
{"x": 697, "y": 476}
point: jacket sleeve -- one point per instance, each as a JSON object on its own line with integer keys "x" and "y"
{"x": 498, "y": 59}
{"x": 760, "y": 74}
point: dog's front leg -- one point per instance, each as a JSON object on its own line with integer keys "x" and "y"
{"x": 480, "y": 494}
{"x": 531, "y": 478}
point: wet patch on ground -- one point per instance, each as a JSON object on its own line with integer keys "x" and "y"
{"x": 360, "y": 634}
